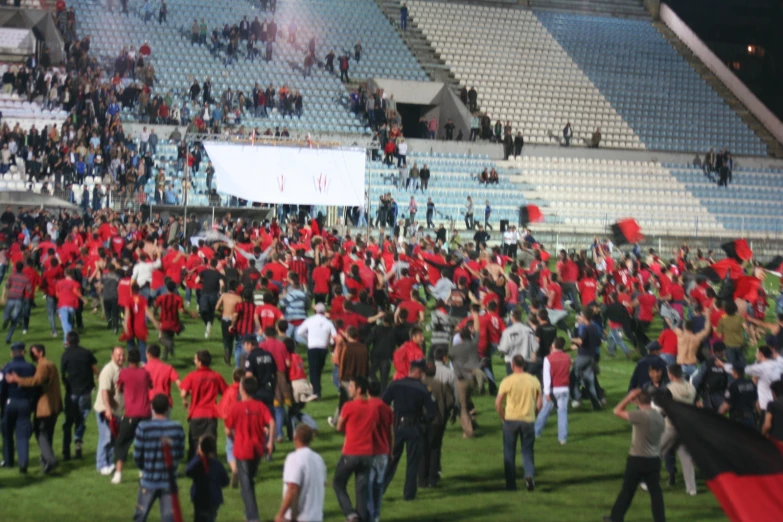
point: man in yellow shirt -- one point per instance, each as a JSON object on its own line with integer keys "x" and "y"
{"x": 522, "y": 393}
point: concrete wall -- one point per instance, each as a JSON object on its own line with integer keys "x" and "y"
{"x": 754, "y": 105}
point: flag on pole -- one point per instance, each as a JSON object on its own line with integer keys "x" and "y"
{"x": 744, "y": 469}
{"x": 171, "y": 468}
{"x": 717, "y": 272}
{"x": 530, "y": 214}
{"x": 626, "y": 231}
{"x": 738, "y": 249}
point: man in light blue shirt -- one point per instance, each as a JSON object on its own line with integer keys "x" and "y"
{"x": 170, "y": 197}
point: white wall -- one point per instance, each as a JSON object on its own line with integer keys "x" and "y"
{"x": 754, "y": 105}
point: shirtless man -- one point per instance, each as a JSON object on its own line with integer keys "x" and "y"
{"x": 225, "y": 306}
{"x": 688, "y": 344}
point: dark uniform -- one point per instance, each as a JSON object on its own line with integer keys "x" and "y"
{"x": 742, "y": 396}
{"x": 711, "y": 384}
{"x": 17, "y": 406}
{"x": 443, "y": 395}
{"x": 414, "y": 410}
{"x": 262, "y": 365}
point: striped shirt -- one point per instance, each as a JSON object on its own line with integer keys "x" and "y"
{"x": 295, "y": 303}
{"x": 245, "y": 324}
{"x": 170, "y": 305}
{"x": 299, "y": 267}
{"x": 148, "y": 450}
{"x": 18, "y": 286}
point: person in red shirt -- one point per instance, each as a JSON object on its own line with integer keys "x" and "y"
{"x": 51, "y": 276}
{"x": 68, "y": 293}
{"x": 321, "y": 278}
{"x": 407, "y": 353}
{"x": 203, "y": 387}
{"x": 231, "y": 397}
{"x": 161, "y": 374}
{"x": 280, "y": 354}
{"x": 136, "y": 315}
{"x": 382, "y": 437}
{"x": 169, "y": 306}
{"x": 402, "y": 287}
{"x": 645, "y": 304}
{"x": 29, "y": 298}
{"x": 588, "y": 288}
{"x": 414, "y": 308}
{"x": 267, "y": 313}
{"x": 358, "y": 420}
{"x": 554, "y": 293}
{"x": 135, "y": 384}
{"x": 668, "y": 342}
{"x": 246, "y": 424}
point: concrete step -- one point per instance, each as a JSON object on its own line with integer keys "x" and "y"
{"x": 774, "y": 148}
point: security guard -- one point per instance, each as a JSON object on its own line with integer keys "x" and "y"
{"x": 712, "y": 379}
{"x": 17, "y": 403}
{"x": 414, "y": 410}
{"x": 741, "y": 397}
{"x": 260, "y": 364}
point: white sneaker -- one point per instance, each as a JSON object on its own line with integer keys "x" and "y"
{"x": 330, "y": 421}
{"x": 562, "y": 443}
{"x": 117, "y": 478}
{"x": 207, "y": 331}
{"x": 643, "y": 486}
{"x": 141, "y": 475}
{"x": 106, "y": 470}
{"x": 24, "y": 332}
{"x": 575, "y": 404}
{"x": 691, "y": 493}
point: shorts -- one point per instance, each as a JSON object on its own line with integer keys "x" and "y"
{"x": 303, "y": 390}
{"x": 125, "y": 437}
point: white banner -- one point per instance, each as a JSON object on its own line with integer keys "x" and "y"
{"x": 293, "y": 175}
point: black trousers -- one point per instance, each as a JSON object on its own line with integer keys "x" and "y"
{"x": 112, "y": 309}
{"x": 640, "y": 469}
{"x": 379, "y": 368}
{"x": 641, "y": 336}
{"x": 196, "y": 429}
{"x": 410, "y": 439}
{"x": 430, "y": 463}
{"x": 360, "y": 466}
{"x": 206, "y": 307}
{"x": 44, "y": 432}
{"x": 246, "y": 472}
{"x": 228, "y": 340}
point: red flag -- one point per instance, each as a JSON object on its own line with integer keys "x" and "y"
{"x": 530, "y": 214}
{"x": 747, "y": 288}
{"x": 717, "y": 271}
{"x": 626, "y": 231}
{"x": 744, "y": 469}
{"x": 171, "y": 468}
{"x": 737, "y": 249}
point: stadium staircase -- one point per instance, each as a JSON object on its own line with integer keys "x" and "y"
{"x": 429, "y": 59}
{"x": 616, "y": 8}
{"x": 774, "y": 148}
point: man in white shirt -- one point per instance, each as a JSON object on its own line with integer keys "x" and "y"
{"x": 518, "y": 339}
{"x": 304, "y": 480}
{"x": 144, "y": 138}
{"x": 142, "y": 273}
{"x": 318, "y": 333}
{"x": 768, "y": 370}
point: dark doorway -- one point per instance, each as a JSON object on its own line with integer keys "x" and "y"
{"x": 410, "y": 114}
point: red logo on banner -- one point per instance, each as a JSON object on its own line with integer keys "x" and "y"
{"x": 281, "y": 182}
{"x": 321, "y": 183}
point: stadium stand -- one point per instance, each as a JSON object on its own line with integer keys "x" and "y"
{"x": 335, "y": 26}
{"x": 667, "y": 104}
{"x": 619, "y": 8}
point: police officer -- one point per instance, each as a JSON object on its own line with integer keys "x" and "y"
{"x": 260, "y": 364}
{"x": 741, "y": 397}
{"x": 414, "y": 410}
{"x": 712, "y": 381}
{"x": 17, "y": 406}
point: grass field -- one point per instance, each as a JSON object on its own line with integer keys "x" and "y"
{"x": 575, "y": 482}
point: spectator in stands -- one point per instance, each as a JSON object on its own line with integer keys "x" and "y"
{"x": 449, "y": 130}
{"x": 308, "y": 64}
{"x": 162, "y": 12}
{"x": 202, "y": 32}
{"x": 487, "y": 215}
{"x": 413, "y": 178}
{"x": 508, "y": 145}
{"x": 357, "y": 51}
{"x": 472, "y": 99}
{"x": 596, "y": 139}
{"x": 194, "y": 29}
{"x": 402, "y": 152}
{"x": 404, "y": 17}
{"x": 344, "y": 69}
{"x": 469, "y": 222}
{"x": 493, "y": 177}
{"x": 568, "y": 133}
{"x": 424, "y": 175}
{"x": 147, "y": 11}
{"x": 474, "y": 126}
{"x": 498, "y": 132}
{"x": 329, "y": 66}
{"x": 519, "y": 142}
{"x": 463, "y": 95}
{"x": 484, "y": 176}
{"x": 432, "y": 128}
{"x": 709, "y": 164}
{"x": 269, "y": 49}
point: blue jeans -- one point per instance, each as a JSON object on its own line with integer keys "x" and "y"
{"x": 12, "y": 313}
{"x": 3, "y": 268}
{"x": 66, "y": 320}
{"x": 688, "y": 370}
{"x": 239, "y": 351}
{"x": 104, "y": 455}
{"x": 230, "y": 450}
{"x": 377, "y": 472}
{"x": 139, "y": 345}
{"x": 668, "y": 358}
{"x": 279, "y": 421}
{"x": 583, "y": 369}
{"x": 562, "y": 415}
{"x": 146, "y": 500}
{"x": 512, "y": 430}
{"x": 77, "y": 409}
{"x": 51, "y": 312}
{"x": 615, "y": 340}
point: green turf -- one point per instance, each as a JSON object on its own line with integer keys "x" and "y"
{"x": 575, "y": 482}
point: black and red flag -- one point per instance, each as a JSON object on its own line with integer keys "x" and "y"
{"x": 717, "y": 272}
{"x": 626, "y": 231}
{"x": 530, "y": 214}
{"x": 738, "y": 249}
{"x": 744, "y": 469}
{"x": 747, "y": 288}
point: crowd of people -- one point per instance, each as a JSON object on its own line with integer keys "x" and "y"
{"x": 720, "y": 164}
{"x": 285, "y": 295}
